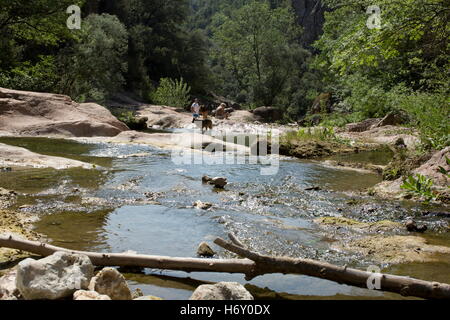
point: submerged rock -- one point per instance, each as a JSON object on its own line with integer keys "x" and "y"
{"x": 340, "y": 222}
{"x": 204, "y": 250}
{"x": 54, "y": 277}
{"x": 394, "y": 249}
{"x": 221, "y": 291}
{"x": 89, "y": 295}
{"x": 110, "y": 282}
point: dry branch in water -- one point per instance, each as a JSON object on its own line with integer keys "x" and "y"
{"x": 252, "y": 266}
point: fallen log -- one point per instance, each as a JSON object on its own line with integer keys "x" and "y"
{"x": 398, "y": 284}
{"x": 252, "y": 266}
{"x": 134, "y": 260}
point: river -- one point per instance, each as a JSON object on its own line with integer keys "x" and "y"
{"x": 139, "y": 199}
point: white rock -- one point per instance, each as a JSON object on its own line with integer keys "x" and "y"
{"x": 221, "y": 291}
{"x": 8, "y": 288}
{"x": 110, "y": 282}
{"x": 202, "y": 205}
{"x": 54, "y": 277}
{"x": 89, "y": 295}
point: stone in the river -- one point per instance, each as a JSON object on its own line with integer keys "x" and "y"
{"x": 54, "y": 277}
{"x": 219, "y": 182}
{"x": 204, "y": 250}
{"x": 89, "y": 295}
{"x": 202, "y": 205}
{"x": 206, "y": 179}
{"x": 110, "y": 282}
{"x": 8, "y": 288}
{"x": 221, "y": 291}
{"x": 412, "y": 226}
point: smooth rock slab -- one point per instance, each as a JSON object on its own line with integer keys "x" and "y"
{"x": 110, "y": 282}
{"x": 54, "y": 277}
{"x": 89, "y": 295}
{"x": 221, "y": 291}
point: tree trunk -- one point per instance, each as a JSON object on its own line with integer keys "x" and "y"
{"x": 253, "y": 266}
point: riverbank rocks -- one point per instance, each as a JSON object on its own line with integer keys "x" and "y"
{"x": 221, "y": 291}
{"x": 54, "y": 277}
{"x": 89, "y": 295}
{"x": 46, "y": 114}
{"x": 110, "y": 282}
{"x": 8, "y": 288}
{"x": 21, "y": 157}
{"x": 204, "y": 250}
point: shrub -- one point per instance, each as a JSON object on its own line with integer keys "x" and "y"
{"x": 430, "y": 115}
{"x": 132, "y": 121}
{"x": 173, "y": 93}
{"x": 421, "y": 186}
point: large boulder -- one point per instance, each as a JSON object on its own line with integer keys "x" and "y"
{"x": 54, "y": 277}
{"x": 45, "y": 114}
{"x": 267, "y": 114}
{"x": 110, "y": 282}
{"x": 221, "y": 291}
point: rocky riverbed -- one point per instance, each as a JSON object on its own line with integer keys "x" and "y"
{"x": 106, "y": 191}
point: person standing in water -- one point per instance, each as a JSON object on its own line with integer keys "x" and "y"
{"x": 195, "y": 109}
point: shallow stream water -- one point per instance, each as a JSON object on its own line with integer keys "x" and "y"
{"x": 138, "y": 199}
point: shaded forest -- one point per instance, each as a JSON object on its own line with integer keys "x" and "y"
{"x": 317, "y": 61}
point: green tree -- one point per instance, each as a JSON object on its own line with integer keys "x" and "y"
{"x": 94, "y": 67}
{"x": 257, "y": 46}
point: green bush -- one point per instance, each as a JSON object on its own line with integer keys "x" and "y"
{"x": 41, "y": 76}
{"x": 132, "y": 121}
{"x": 421, "y": 186}
{"x": 430, "y": 115}
{"x": 171, "y": 92}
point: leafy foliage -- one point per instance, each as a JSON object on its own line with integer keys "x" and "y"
{"x": 94, "y": 67}
{"x": 256, "y": 55}
{"x": 172, "y": 93}
{"x": 421, "y": 186}
{"x": 132, "y": 121}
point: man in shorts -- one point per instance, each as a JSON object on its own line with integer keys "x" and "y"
{"x": 195, "y": 109}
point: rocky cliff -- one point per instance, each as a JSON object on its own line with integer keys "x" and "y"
{"x": 310, "y": 15}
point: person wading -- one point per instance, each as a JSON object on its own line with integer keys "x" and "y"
{"x": 195, "y": 109}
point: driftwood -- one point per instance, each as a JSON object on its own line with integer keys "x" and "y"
{"x": 252, "y": 266}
